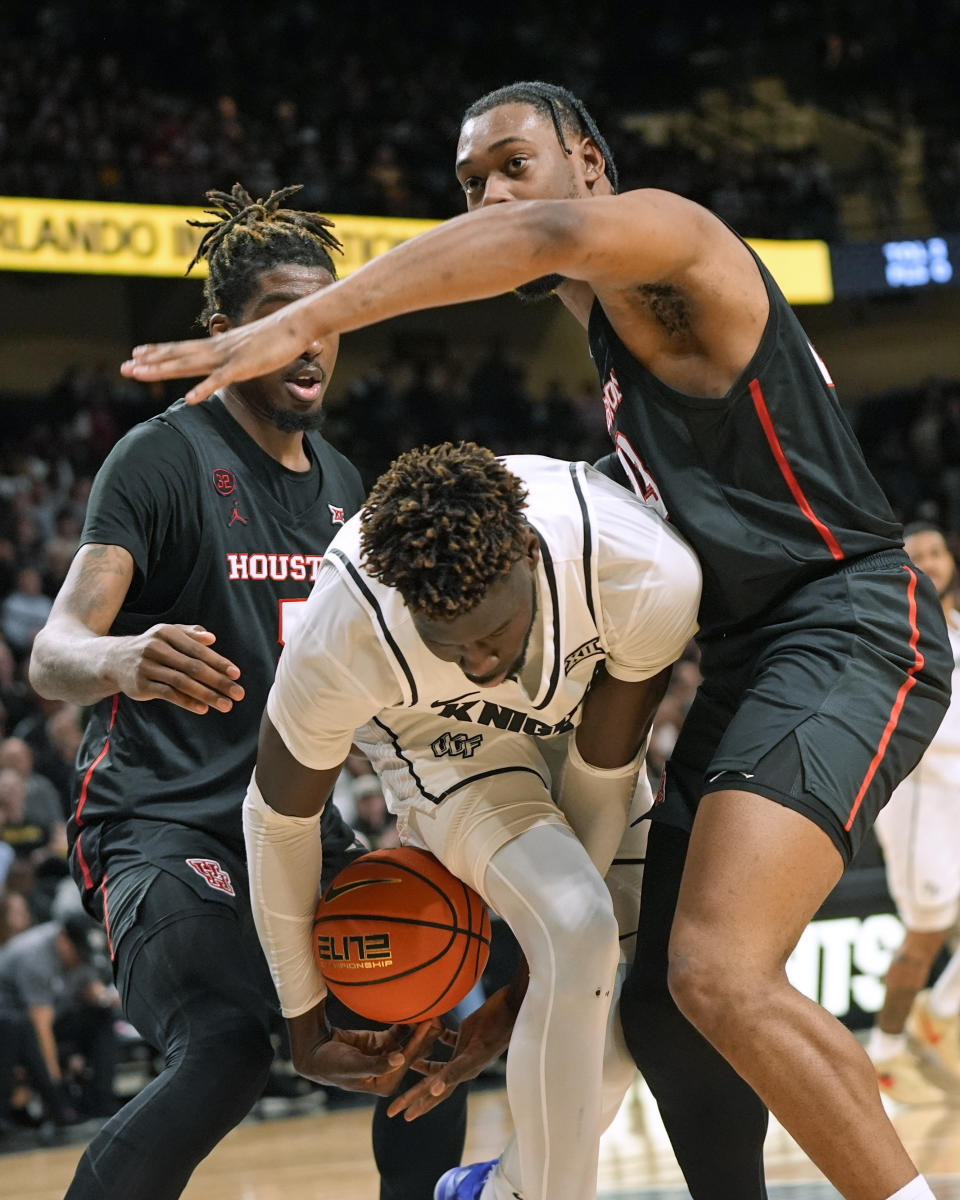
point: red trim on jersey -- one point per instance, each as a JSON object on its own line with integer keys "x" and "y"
{"x": 106, "y": 916}
{"x": 760, "y": 404}
{"x": 895, "y": 712}
{"x": 87, "y": 877}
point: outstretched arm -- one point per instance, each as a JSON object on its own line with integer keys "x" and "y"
{"x": 75, "y": 658}
{"x": 608, "y": 242}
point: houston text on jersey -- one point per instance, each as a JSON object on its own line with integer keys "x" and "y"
{"x": 274, "y": 566}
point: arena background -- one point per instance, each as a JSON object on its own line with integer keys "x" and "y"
{"x": 828, "y": 129}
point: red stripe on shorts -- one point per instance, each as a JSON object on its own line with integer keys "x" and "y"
{"x": 898, "y": 703}
{"x": 760, "y": 404}
{"x": 87, "y": 877}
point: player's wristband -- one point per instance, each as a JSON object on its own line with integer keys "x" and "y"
{"x": 596, "y": 802}
{"x": 285, "y": 856}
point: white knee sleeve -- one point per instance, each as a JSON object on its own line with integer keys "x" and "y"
{"x": 548, "y": 891}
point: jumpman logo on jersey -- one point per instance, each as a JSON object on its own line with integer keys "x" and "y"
{"x": 236, "y": 516}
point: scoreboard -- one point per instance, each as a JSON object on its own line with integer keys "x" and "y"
{"x": 878, "y": 268}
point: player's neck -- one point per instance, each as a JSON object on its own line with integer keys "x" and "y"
{"x": 287, "y": 448}
{"x": 949, "y": 605}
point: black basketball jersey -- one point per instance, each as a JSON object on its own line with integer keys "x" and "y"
{"x": 767, "y": 483}
{"x": 227, "y": 539}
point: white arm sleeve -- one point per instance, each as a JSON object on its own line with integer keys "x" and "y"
{"x": 649, "y": 583}
{"x": 284, "y": 856}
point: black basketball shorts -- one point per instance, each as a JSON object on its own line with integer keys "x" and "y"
{"x": 825, "y": 706}
{"x": 142, "y": 856}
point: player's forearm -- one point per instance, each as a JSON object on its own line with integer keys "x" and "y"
{"x": 472, "y": 257}
{"x": 596, "y": 802}
{"x": 69, "y": 662}
{"x": 285, "y": 858}
{"x": 307, "y": 1031}
{"x": 617, "y": 717}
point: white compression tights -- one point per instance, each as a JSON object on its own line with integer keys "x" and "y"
{"x": 545, "y": 887}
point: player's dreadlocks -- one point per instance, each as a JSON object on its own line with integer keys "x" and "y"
{"x": 248, "y": 237}
{"x": 441, "y": 525}
{"x": 567, "y": 113}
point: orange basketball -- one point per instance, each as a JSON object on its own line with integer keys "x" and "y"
{"x": 400, "y": 939}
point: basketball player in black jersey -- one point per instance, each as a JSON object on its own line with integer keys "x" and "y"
{"x": 824, "y": 652}
{"x": 204, "y": 532}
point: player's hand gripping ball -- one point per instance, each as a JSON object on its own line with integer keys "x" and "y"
{"x": 398, "y": 938}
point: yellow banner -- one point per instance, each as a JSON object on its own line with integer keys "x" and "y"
{"x": 101, "y": 238}
{"x": 802, "y": 269}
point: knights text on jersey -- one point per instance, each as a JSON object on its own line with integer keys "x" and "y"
{"x": 614, "y": 583}
{"x": 233, "y": 543}
{"x": 767, "y": 483}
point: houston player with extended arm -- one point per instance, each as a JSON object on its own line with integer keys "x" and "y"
{"x": 825, "y": 658}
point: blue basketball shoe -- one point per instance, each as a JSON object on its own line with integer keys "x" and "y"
{"x": 464, "y": 1183}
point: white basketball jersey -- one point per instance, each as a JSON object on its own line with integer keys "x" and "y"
{"x": 357, "y": 663}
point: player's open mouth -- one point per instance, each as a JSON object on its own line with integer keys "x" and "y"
{"x": 306, "y": 388}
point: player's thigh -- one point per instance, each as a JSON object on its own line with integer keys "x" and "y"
{"x": 919, "y": 833}
{"x": 185, "y": 960}
{"x": 461, "y": 793}
{"x": 469, "y": 827}
{"x": 755, "y": 874}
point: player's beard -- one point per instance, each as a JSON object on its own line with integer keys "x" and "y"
{"x": 288, "y": 421}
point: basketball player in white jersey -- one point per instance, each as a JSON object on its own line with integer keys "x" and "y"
{"x": 474, "y": 615}
{"x": 919, "y": 831}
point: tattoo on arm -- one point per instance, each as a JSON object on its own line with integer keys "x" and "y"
{"x": 95, "y": 589}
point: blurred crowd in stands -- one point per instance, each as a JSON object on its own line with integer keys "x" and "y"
{"x": 361, "y": 102}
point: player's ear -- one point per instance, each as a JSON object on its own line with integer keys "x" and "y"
{"x": 532, "y": 547}
{"x": 219, "y": 323}
{"x": 594, "y": 163}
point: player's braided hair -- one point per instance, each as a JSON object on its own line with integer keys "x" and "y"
{"x": 441, "y": 525}
{"x": 248, "y": 237}
{"x": 568, "y": 114}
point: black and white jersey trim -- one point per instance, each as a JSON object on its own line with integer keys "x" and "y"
{"x": 550, "y": 573}
{"x": 391, "y": 734}
{"x": 381, "y": 620}
{"x": 587, "y": 542}
{"x": 461, "y": 783}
